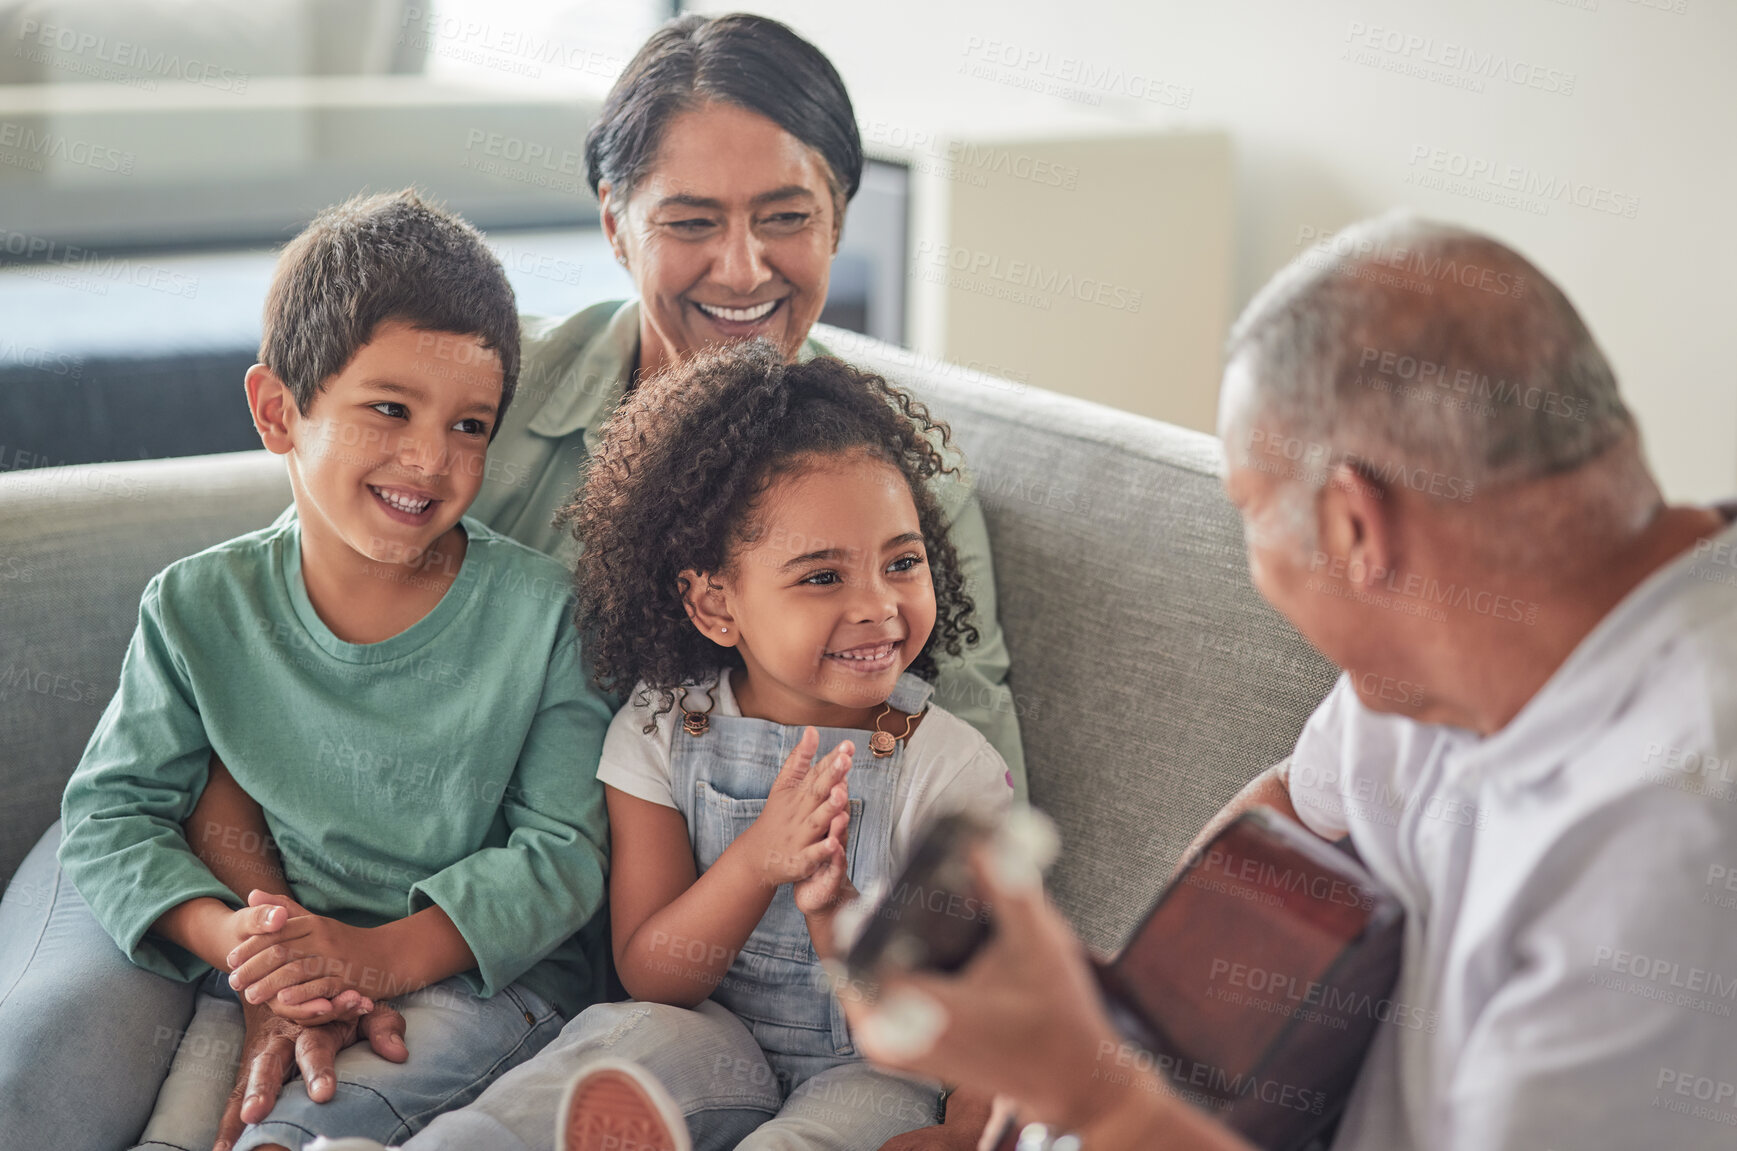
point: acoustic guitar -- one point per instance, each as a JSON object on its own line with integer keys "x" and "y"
{"x": 1252, "y": 989}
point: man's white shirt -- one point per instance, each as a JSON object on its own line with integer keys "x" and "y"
{"x": 1570, "y": 885}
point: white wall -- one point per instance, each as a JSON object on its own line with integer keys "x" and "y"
{"x": 1644, "y": 118}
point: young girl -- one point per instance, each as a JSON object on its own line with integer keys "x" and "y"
{"x": 765, "y": 563}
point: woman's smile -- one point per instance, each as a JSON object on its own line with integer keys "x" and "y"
{"x": 740, "y": 323}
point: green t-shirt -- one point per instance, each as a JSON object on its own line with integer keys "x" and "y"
{"x": 453, "y": 764}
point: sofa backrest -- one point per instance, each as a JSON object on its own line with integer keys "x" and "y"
{"x": 77, "y": 546}
{"x": 1150, "y": 679}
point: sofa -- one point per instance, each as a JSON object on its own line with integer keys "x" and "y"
{"x": 1150, "y": 679}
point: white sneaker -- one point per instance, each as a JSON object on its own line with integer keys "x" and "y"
{"x": 615, "y": 1105}
{"x": 349, "y": 1143}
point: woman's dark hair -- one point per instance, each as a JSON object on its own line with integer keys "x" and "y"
{"x": 749, "y": 61}
{"x": 675, "y": 483}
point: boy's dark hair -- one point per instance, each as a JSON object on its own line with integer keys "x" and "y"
{"x": 391, "y": 256}
{"x": 674, "y": 484}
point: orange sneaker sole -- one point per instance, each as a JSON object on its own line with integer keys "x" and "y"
{"x": 610, "y": 1110}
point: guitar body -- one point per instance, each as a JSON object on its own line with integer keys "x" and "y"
{"x": 1254, "y": 986}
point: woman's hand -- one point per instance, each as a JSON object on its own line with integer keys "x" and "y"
{"x": 306, "y": 964}
{"x": 272, "y": 1048}
{"x": 790, "y": 839}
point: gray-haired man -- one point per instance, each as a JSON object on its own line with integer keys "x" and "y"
{"x": 1532, "y": 741}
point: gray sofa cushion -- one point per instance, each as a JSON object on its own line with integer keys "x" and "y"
{"x": 77, "y": 546}
{"x": 1151, "y": 680}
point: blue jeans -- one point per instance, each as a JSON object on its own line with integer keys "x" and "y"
{"x": 458, "y": 1045}
{"x": 82, "y": 1048}
{"x": 732, "y": 1093}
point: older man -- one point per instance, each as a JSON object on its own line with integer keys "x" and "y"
{"x": 1532, "y": 742}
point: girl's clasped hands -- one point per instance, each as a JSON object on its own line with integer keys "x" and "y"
{"x": 801, "y": 833}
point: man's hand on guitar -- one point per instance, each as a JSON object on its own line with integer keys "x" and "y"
{"x": 1023, "y": 1019}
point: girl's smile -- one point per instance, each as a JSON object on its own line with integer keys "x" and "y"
{"x": 869, "y": 658}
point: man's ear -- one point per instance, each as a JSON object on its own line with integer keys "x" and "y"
{"x": 1353, "y": 525}
{"x": 708, "y": 609}
{"x": 273, "y": 406}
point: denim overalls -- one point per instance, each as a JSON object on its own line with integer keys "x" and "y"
{"x": 721, "y": 780}
{"x": 766, "y": 1063}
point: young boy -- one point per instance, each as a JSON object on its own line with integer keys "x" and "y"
{"x": 399, "y": 687}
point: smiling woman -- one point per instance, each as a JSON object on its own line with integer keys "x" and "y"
{"x": 724, "y": 159}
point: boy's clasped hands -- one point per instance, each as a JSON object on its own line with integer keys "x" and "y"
{"x": 307, "y": 968}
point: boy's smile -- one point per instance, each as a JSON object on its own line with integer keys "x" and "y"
{"x": 831, "y": 600}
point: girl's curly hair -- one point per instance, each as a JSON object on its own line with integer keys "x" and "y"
{"x": 674, "y": 485}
